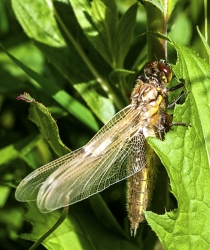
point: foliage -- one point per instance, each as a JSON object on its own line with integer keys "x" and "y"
{"x": 80, "y": 60}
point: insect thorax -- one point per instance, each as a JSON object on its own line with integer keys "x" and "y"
{"x": 150, "y": 99}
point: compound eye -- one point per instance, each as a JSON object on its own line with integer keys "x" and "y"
{"x": 166, "y": 69}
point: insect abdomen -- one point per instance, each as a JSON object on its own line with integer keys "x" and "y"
{"x": 139, "y": 190}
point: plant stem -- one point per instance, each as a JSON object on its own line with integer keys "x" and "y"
{"x": 206, "y": 20}
{"x": 52, "y": 229}
{"x": 157, "y": 47}
{"x": 111, "y": 90}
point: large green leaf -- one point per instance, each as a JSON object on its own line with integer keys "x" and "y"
{"x": 124, "y": 34}
{"x": 18, "y": 149}
{"x": 110, "y": 36}
{"x": 104, "y": 16}
{"x": 10, "y": 74}
{"x": 60, "y": 96}
{"x": 66, "y": 54}
{"x": 98, "y": 23}
{"x": 32, "y": 17}
{"x": 41, "y": 26}
{"x": 185, "y": 153}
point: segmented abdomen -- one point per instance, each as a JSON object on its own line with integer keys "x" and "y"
{"x": 139, "y": 190}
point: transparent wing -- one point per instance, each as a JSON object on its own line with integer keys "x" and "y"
{"x": 29, "y": 186}
{"x": 116, "y": 152}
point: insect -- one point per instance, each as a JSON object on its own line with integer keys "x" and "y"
{"x": 118, "y": 151}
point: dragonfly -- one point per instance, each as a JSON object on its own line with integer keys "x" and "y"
{"x": 118, "y": 151}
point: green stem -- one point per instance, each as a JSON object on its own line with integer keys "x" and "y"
{"x": 111, "y": 90}
{"x": 157, "y": 47}
{"x": 206, "y": 20}
{"x": 52, "y": 229}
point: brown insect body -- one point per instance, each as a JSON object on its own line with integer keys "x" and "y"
{"x": 150, "y": 97}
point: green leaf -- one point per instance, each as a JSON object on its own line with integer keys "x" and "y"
{"x": 75, "y": 231}
{"x": 104, "y": 16}
{"x": 82, "y": 11}
{"x": 111, "y": 38}
{"x": 181, "y": 31}
{"x": 41, "y": 26}
{"x": 125, "y": 79}
{"x": 62, "y": 97}
{"x": 104, "y": 215}
{"x": 98, "y": 24}
{"x": 124, "y": 34}
{"x": 69, "y": 59}
{"x": 40, "y": 115}
{"x": 102, "y": 106}
{"x": 4, "y": 193}
{"x": 185, "y": 153}
{"x": 18, "y": 149}
{"x": 169, "y": 6}
{"x": 32, "y": 15}
{"x": 206, "y": 45}
{"x": 43, "y": 222}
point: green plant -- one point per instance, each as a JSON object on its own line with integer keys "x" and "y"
{"x": 93, "y": 59}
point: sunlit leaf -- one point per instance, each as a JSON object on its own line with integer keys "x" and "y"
{"x": 4, "y": 193}
{"x": 99, "y": 104}
{"x": 18, "y": 149}
{"x": 185, "y": 153}
{"x": 206, "y": 45}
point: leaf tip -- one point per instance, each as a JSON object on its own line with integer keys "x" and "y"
{"x": 25, "y": 97}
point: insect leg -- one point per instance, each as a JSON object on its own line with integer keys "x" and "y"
{"x": 180, "y": 124}
{"x": 175, "y": 101}
{"x": 178, "y": 86}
